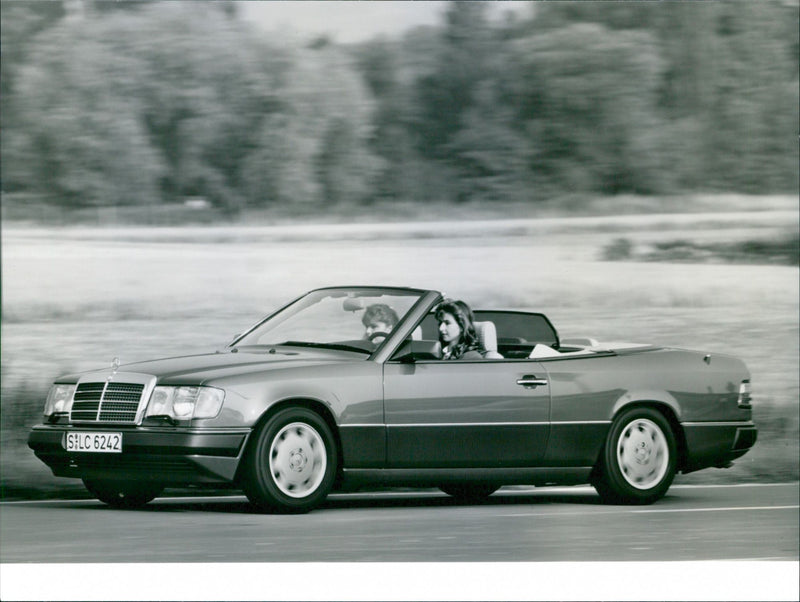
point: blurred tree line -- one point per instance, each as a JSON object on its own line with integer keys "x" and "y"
{"x": 143, "y": 103}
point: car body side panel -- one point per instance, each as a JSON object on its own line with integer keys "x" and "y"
{"x": 351, "y": 391}
{"x": 576, "y": 443}
{"x": 464, "y": 413}
{"x": 589, "y": 391}
{"x": 584, "y": 390}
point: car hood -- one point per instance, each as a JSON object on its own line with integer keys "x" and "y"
{"x": 200, "y": 368}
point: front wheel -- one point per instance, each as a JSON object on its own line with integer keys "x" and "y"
{"x": 638, "y": 461}
{"x": 123, "y": 494}
{"x": 292, "y": 464}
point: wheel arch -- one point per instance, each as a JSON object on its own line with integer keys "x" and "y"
{"x": 668, "y": 411}
{"x": 314, "y": 405}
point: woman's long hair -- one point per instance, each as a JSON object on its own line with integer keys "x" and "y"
{"x": 468, "y": 339}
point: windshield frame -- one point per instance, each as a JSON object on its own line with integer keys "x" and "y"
{"x": 423, "y": 297}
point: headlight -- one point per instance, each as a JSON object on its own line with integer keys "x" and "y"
{"x": 185, "y": 403}
{"x": 59, "y": 400}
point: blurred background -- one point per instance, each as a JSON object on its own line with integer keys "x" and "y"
{"x": 172, "y": 171}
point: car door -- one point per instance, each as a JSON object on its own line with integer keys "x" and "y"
{"x": 465, "y": 413}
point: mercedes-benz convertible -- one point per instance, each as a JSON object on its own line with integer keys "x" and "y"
{"x": 310, "y": 400}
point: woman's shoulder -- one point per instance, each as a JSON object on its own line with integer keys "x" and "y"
{"x": 472, "y": 354}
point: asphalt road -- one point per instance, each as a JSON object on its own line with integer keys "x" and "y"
{"x": 739, "y": 522}
{"x": 723, "y": 542}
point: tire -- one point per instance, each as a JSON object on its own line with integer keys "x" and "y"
{"x": 469, "y": 492}
{"x": 123, "y": 494}
{"x": 639, "y": 459}
{"x": 291, "y": 465}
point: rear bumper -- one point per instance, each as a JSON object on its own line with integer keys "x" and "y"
{"x": 169, "y": 456}
{"x": 716, "y": 443}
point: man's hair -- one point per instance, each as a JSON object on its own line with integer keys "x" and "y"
{"x": 380, "y": 312}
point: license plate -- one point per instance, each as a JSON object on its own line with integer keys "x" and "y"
{"x": 93, "y": 442}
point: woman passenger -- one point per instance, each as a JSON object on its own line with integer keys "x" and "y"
{"x": 457, "y": 332}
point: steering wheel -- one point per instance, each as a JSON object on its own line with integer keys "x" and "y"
{"x": 376, "y": 335}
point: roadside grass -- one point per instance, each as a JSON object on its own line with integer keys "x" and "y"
{"x": 784, "y": 250}
{"x": 29, "y": 209}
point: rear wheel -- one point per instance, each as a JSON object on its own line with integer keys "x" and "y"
{"x": 123, "y": 494}
{"x": 469, "y": 492}
{"x": 292, "y": 464}
{"x": 639, "y": 459}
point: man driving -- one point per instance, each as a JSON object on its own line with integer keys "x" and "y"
{"x": 379, "y": 319}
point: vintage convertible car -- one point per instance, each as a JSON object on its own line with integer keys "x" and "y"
{"x": 305, "y": 402}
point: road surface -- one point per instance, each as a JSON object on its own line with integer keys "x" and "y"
{"x": 523, "y": 543}
{"x": 737, "y": 522}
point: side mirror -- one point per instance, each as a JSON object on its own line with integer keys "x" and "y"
{"x": 411, "y": 351}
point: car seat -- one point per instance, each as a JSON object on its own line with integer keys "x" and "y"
{"x": 487, "y": 336}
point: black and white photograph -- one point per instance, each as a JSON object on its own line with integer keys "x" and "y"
{"x": 400, "y": 300}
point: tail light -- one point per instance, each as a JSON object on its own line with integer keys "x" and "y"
{"x": 744, "y": 395}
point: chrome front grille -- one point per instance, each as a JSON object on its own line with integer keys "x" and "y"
{"x": 106, "y": 402}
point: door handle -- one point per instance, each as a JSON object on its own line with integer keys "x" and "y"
{"x": 529, "y": 380}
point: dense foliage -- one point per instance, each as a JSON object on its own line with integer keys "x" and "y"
{"x": 145, "y": 103}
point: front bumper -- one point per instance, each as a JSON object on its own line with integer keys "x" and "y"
{"x": 172, "y": 456}
{"x": 716, "y": 443}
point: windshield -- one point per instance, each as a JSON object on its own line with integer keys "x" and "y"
{"x": 344, "y": 318}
